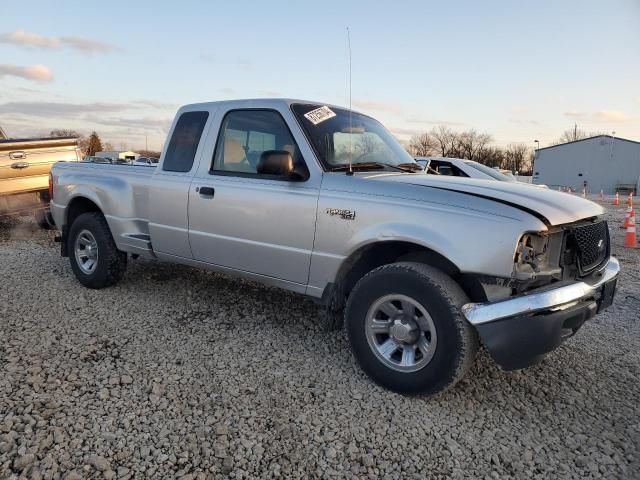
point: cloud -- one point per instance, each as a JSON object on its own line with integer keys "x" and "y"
{"x": 601, "y": 116}
{"x": 61, "y": 109}
{"x": 610, "y": 116}
{"x": 404, "y": 132}
{"x": 37, "y": 73}
{"x": 88, "y": 45}
{"x": 28, "y": 39}
{"x": 146, "y": 123}
{"x": 377, "y": 106}
{"x": 449, "y": 123}
{"x": 156, "y": 104}
{"x": 575, "y": 114}
{"x": 524, "y": 121}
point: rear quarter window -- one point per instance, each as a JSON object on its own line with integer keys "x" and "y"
{"x": 184, "y": 142}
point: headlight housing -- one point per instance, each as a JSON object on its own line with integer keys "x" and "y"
{"x": 537, "y": 258}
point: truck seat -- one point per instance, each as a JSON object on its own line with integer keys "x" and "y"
{"x": 234, "y": 157}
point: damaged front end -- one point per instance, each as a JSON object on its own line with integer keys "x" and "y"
{"x": 561, "y": 278}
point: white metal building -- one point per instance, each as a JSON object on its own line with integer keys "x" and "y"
{"x": 118, "y": 155}
{"x": 600, "y": 163}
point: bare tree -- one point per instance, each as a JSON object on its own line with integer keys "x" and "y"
{"x": 470, "y": 144}
{"x": 573, "y": 134}
{"x": 445, "y": 139}
{"x": 423, "y": 145}
{"x": 63, "y": 132}
{"x": 517, "y": 157}
{"x": 491, "y": 156}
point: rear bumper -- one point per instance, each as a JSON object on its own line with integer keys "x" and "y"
{"x": 520, "y": 330}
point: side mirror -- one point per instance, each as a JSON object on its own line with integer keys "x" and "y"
{"x": 280, "y": 163}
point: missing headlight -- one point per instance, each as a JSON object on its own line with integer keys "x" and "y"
{"x": 536, "y": 259}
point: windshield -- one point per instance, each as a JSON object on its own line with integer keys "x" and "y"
{"x": 337, "y": 136}
{"x": 490, "y": 171}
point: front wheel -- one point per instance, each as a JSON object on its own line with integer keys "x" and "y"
{"x": 94, "y": 257}
{"x": 406, "y": 329}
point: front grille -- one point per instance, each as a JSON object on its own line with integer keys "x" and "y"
{"x": 591, "y": 243}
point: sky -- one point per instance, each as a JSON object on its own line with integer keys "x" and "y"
{"x": 519, "y": 71}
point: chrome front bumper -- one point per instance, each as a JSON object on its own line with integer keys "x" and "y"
{"x": 552, "y": 299}
{"x": 519, "y": 331}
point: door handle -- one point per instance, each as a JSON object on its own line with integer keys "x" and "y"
{"x": 19, "y": 164}
{"x": 206, "y": 191}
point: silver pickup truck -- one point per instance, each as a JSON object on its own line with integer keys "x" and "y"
{"x": 325, "y": 202}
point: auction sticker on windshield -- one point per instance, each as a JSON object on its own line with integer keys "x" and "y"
{"x": 319, "y": 115}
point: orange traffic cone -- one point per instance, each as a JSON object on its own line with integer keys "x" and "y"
{"x": 630, "y": 239}
{"x": 616, "y": 201}
{"x": 628, "y": 216}
{"x": 630, "y": 199}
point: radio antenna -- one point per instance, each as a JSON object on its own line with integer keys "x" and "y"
{"x": 350, "y": 126}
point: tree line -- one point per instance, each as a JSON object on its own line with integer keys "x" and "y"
{"x": 88, "y": 144}
{"x": 441, "y": 141}
{"x": 92, "y": 143}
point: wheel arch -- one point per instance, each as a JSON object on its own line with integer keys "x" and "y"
{"x": 76, "y": 207}
{"x": 373, "y": 255}
{"x": 79, "y": 205}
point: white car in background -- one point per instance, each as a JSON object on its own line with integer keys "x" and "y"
{"x": 146, "y": 161}
{"x": 458, "y": 167}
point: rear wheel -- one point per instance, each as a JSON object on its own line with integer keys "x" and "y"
{"x": 406, "y": 329}
{"x": 94, "y": 257}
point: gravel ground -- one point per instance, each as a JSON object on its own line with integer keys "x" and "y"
{"x": 179, "y": 373}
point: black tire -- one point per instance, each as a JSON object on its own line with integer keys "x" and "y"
{"x": 44, "y": 219}
{"x": 111, "y": 263}
{"x": 441, "y": 297}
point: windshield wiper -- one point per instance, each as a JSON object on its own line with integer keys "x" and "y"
{"x": 367, "y": 166}
{"x": 411, "y": 167}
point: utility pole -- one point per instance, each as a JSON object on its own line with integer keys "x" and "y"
{"x": 575, "y": 131}
{"x": 613, "y": 137}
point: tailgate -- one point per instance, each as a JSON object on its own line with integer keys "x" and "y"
{"x": 25, "y": 164}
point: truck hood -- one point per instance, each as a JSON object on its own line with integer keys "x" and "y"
{"x": 554, "y": 208}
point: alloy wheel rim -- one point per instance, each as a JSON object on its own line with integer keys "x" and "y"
{"x": 86, "y": 252}
{"x": 401, "y": 333}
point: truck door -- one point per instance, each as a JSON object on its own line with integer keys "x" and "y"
{"x": 250, "y": 221}
{"x": 169, "y": 192}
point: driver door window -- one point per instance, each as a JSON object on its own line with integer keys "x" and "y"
{"x": 245, "y": 135}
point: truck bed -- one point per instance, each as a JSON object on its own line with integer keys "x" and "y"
{"x": 123, "y": 190}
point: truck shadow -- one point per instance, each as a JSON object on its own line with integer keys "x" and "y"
{"x": 218, "y": 308}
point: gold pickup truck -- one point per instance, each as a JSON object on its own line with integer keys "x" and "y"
{"x": 24, "y": 173}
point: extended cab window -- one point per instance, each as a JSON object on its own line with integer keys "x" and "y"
{"x": 245, "y": 135}
{"x": 184, "y": 142}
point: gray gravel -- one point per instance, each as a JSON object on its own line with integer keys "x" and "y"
{"x": 179, "y": 373}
